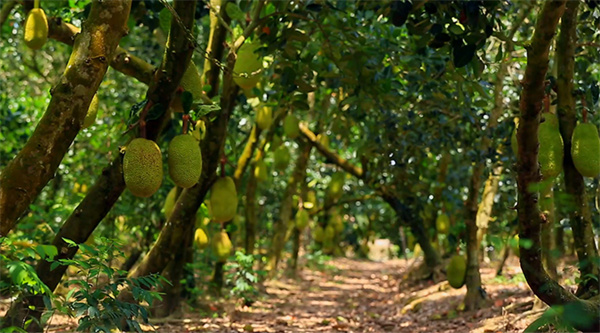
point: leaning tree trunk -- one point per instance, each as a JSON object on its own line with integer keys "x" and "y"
{"x": 579, "y": 212}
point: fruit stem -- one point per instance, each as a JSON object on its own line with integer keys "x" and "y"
{"x": 223, "y": 161}
{"x": 142, "y": 129}
{"x": 186, "y": 121}
{"x": 547, "y": 103}
{"x": 36, "y": 3}
{"x": 584, "y": 112}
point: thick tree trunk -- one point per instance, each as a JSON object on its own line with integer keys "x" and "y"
{"x": 296, "y": 238}
{"x": 27, "y": 174}
{"x": 579, "y": 212}
{"x": 484, "y": 212}
{"x": 547, "y": 239}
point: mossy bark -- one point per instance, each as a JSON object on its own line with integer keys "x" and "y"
{"x": 579, "y": 209}
{"x": 34, "y": 166}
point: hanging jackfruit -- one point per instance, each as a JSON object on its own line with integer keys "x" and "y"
{"x": 281, "y": 158}
{"x": 248, "y": 66}
{"x": 323, "y": 140}
{"x": 311, "y": 201}
{"x": 290, "y": 126}
{"x": 185, "y": 161}
{"x": 200, "y": 238}
{"x": 92, "y": 112}
{"x": 264, "y": 117}
{"x": 329, "y": 233}
{"x": 337, "y": 222}
{"x": 550, "y": 154}
{"x": 442, "y": 224}
{"x": 302, "y": 219}
{"x": 142, "y": 167}
{"x": 170, "y": 202}
{"x": 318, "y": 234}
{"x": 223, "y": 200}
{"x": 456, "y": 271}
{"x": 585, "y": 150}
{"x": 36, "y": 29}
{"x": 335, "y": 188}
{"x": 192, "y": 81}
{"x": 221, "y": 245}
{"x": 260, "y": 171}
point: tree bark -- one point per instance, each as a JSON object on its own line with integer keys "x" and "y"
{"x": 532, "y": 96}
{"x": 34, "y": 166}
{"x": 579, "y": 209}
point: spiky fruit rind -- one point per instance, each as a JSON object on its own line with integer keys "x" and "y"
{"x": 170, "y": 202}
{"x": 200, "y": 238}
{"x": 442, "y": 224}
{"x": 142, "y": 167}
{"x": 221, "y": 245}
{"x": 92, "y": 112}
{"x": 456, "y": 271}
{"x": 36, "y": 29}
{"x": 223, "y": 200}
{"x": 192, "y": 82}
{"x": 185, "y": 160}
{"x": 248, "y": 66}
{"x": 585, "y": 150}
{"x": 260, "y": 171}
{"x": 302, "y": 219}
{"x": 550, "y": 155}
{"x": 281, "y": 158}
{"x": 264, "y": 117}
{"x": 290, "y": 126}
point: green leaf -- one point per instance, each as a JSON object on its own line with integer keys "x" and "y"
{"x": 164, "y": 18}
{"x": 69, "y": 242}
{"x": 463, "y": 54}
{"x": 235, "y": 12}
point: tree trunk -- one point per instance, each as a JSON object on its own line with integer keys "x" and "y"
{"x": 484, "y": 212}
{"x": 250, "y": 207}
{"x": 296, "y": 238}
{"x": 579, "y": 210}
{"x": 547, "y": 207}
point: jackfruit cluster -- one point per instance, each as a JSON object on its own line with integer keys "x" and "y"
{"x": 585, "y": 150}
{"x": 36, "y": 29}
{"x": 247, "y": 66}
{"x": 185, "y": 161}
{"x": 456, "y": 271}
{"x": 223, "y": 200}
{"x": 291, "y": 126}
{"x": 142, "y": 167}
{"x": 221, "y": 246}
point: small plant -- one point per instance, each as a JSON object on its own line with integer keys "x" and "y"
{"x": 243, "y": 278}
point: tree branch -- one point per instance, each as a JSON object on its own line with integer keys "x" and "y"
{"x": 27, "y": 174}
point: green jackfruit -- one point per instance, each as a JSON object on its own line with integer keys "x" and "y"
{"x": 170, "y": 202}
{"x": 260, "y": 171}
{"x": 192, "y": 81}
{"x": 311, "y": 201}
{"x": 323, "y": 140}
{"x": 302, "y": 219}
{"x": 92, "y": 112}
{"x": 36, "y": 29}
{"x": 456, "y": 271}
{"x": 318, "y": 234}
{"x": 223, "y": 200}
{"x": 276, "y": 142}
{"x": 337, "y": 222}
{"x": 290, "y": 126}
{"x": 281, "y": 158}
{"x": 200, "y": 238}
{"x": 550, "y": 154}
{"x": 248, "y": 66}
{"x": 185, "y": 160}
{"x": 142, "y": 167}
{"x": 221, "y": 246}
{"x": 329, "y": 233}
{"x": 264, "y": 117}
{"x": 335, "y": 188}
{"x": 442, "y": 224}
{"x": 585, "y": 150}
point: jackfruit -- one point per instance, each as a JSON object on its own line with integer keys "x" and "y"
{"x": 223, "y": 200}
{"x": 514, "y": 245}
{"x": 176, "y": 105}
{"x": 90, "y": 117}
{"x": 247, "y": 66}
{"x": 199, "y": 130}
{"x": 260, "y": 171}
{"x": 281, "y": 158}
{"x": 192, "y": 81}
{"x": 335, "y": 188}
{"x": 142, "y": 167}
{"x": 221, "y": 246}
{"x": 329, "y": 233}
{"x": 301, "y": 219}
{"x": 170, "y": 202}
{"x": 311, "y": 201}
{"x": 36, "y": 29}
{"x": 417, "y": 251}
{"x": 323, "y": 139}
{"x": 442, "y": 224}
{"x": 456, "y": 271}
{"x": 264, "y": 117}
{"x": 185, "y": 161}
{"x": 318, "y": 234}
{"x": 550, "y": 154}
{"x": 337, "y": 222}
{"x": 290, "y": 126}
{"x": 585, "y": 150}
{"x": 200, "y": 238}
{"x": 276, "y": 142}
